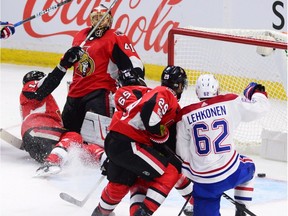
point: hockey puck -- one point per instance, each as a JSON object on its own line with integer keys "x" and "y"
{"x": 261, "y": 175}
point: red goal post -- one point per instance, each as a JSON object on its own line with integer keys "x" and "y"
{"x": 236, "y": 57}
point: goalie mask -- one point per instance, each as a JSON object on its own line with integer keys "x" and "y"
{"x": 207, "y": 86}
{"x": 130, "y": 77}
{"x": 174, "y": 77}
{"x": 95, "y": 16}
{"x": 33, "y": 75}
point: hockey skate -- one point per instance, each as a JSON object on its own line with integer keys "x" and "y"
{"x": 97, "y": 212}
{"x": 240, "y": 212}
{"x": 188, "y": 211}
{"x": 141, "y": 212}
{"x": 50, "y": 167}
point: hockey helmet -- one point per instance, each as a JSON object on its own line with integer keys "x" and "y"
{"x": 130, "y": 77}
{"x": 33, "y": 75}
{"x": 207, "y": 86}
{"x": 172, "y": 77}
{"x": 95, "y": 16}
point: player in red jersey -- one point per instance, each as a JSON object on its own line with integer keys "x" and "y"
{"x": 94, "y": 79}
{"x": 130, "y": 143}
{"x": 7, "y": 29}
{"x": 42, "y": 127}
{"x": 131, "y": 88}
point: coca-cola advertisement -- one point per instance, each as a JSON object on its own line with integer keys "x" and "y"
{"x": 145, "y": 22}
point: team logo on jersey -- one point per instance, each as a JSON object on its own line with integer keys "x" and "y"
{"x": 86, "y": 65}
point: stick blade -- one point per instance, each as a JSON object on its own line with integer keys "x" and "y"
{"x": 10, "y": 138}
{"x": 70, "y": 199}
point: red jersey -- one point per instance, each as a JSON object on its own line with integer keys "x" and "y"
{"x": 104, "y": 57}
{"x": 127, "y": 95}
{"x": 38, "y": 113}
{"x": 160, "y": 105}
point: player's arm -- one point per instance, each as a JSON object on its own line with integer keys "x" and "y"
{"x": 126, "y": 57}
{"x": 256, "y": 103}
{"x": 51, "y": 82}
{"x": 7, "y": 29}
{"x": 151, "y": 116}
{"x": 183, "y": 140}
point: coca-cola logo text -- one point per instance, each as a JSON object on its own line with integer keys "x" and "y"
{"x": 153, "y": 31}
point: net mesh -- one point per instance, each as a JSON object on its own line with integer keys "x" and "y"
{"x": 235, "y": 65}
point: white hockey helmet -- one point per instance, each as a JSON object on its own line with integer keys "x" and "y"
{"x": 207, "y": 86}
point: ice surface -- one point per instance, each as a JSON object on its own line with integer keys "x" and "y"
{"x": 21, "y": 194}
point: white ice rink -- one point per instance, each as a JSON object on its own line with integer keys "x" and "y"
{"x": 23, "y": 195}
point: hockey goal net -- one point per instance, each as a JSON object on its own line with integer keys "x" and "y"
{"x": 236, "y": 58}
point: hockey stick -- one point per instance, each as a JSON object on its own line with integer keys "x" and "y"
{"x": 238, "y": 205}
{"x": 42, "y": 12}
{"x": 185, "y": 204}
{"x": 10, "y": 138}
{"x": 80, "y": 203}
{"x": 96, "y": 26}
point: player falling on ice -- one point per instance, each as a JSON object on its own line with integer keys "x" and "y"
{"x": 43, "y": 134}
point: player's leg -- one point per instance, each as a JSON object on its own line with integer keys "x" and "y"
{"x": 39, "y": 141}
{"x": 206, "y": 200}
{"x": 73, "y": 114}
{"x": 243, "y": 192}
{"x": 137, "y": 194}
{"x": 59, "y": 154}
{"x": 127, "y": 161}
{"x": 185, "y": 187}
{"x": 98, "y": 102}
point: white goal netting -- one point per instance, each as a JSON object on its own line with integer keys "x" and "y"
{"x": 236, "y": 57}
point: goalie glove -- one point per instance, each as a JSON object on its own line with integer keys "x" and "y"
{"x": 252, "y": 88}
{"x": 73, "y": 55}
{"x": 7, "y": 29}
{"x": 162, "y": 137}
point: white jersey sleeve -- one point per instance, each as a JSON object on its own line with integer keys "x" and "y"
{"x": 254, "y": 109}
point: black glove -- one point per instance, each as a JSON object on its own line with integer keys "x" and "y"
{"x": 72, "y": 55}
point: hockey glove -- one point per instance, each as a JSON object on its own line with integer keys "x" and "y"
{"x": 72, "y": 56}
{"x": 7, "y": 29}
{"x": 252, "y": 88}
{"x": 162, "y": 137}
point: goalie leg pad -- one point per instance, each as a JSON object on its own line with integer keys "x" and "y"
{"x": 95, "y": 128}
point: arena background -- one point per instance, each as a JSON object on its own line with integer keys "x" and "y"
{"x": 42, "y": 41}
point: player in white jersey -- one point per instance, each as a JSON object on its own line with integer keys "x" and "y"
{"x": 205, "y": 143}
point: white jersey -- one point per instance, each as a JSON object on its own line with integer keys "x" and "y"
{"x": 205, "y": 133}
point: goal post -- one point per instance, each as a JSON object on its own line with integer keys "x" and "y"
{"x": 237, "y": 57}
